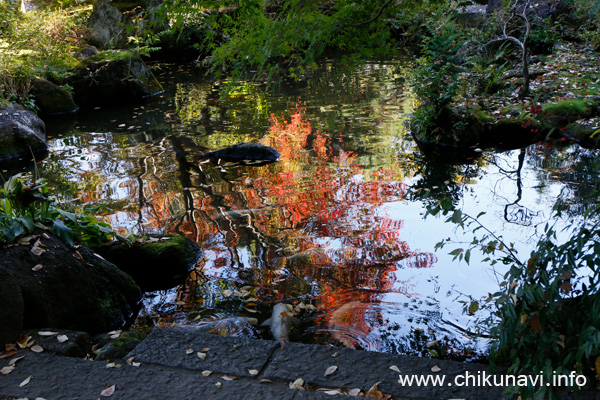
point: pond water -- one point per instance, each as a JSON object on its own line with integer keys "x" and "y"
{"x": 328, "y": 225}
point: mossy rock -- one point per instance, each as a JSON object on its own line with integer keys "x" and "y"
{"x": 158, "y": 263}
{"x": 565, "y": 112}
{"x": 116, "y": 348}
{"x": 51, "y": 99}
{"x": 112, "y": 76}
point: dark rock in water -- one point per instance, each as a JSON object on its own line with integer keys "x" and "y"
{"x": 51, "y": 99}
{"x": 114, "y": 76}
{"x": 21, "y": 133}
{"x": 245, "y": 152}
{"x": 70, "y": 288}
{"x": 155, "y": 264}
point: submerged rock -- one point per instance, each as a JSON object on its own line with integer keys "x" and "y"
{"x": 157, "y": 263}
{"x": 21, "y": 134}
{"x": 245, "y": 152}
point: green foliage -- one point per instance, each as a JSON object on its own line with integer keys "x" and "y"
{"x": 543, "y": 36}
{"x": 275, "y": 39}
{"x": 39, "y": 43}
{"x": 26, "y": 204}
{"x": 546, "y": 315}
{"x": 435, "y": 78}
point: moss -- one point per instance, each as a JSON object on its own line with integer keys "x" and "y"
{"x": 569, "y": 110}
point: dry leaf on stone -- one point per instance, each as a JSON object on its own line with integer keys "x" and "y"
{"x": 205, "y": 350}
{"x": 435, "y": 368}
{"x": 14, "y": 360}
{"x": 47, "y": 333}
{"x": 297, "y": 384}
{"x": 395, "y": 368}
{"x": 24, "y": 342}
{"x": 206, "y": 373}
{"x": 37, "y": 267}
{"x": 354, "y": 392}
{"x": 108, "y": 391}
{"x": 62, "y": 338}
{"x": 376, "y": 393}
{"x": 253, "y": 371}
{"x": 189, "y": 351}
{"x": 335, "y": 354}
{"x": 330, "y": 370}
{"x": 201, "y": 355}
{"x": 37, "y": 348}
{"x": 7, "y": 370}
{"x": 265, "y": 380}
{"x": 26, "y": 381}
{"x": 7, "y": 355}
{"x": 115, "y": 334}
{"x": 218, "y": 384}
{"x": 228, "y": 378}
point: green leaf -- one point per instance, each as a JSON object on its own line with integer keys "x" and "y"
{"x": 62, "y": 231}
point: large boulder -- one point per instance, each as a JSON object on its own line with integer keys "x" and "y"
{"x": 51, "y": 99}
{"x": 67, "y": 288}
{"x": 105, "y": 25}
{"x": 21, "y": 133}
{"x": 158, "y": 263}
{"x": 11, "y": 308}
{"x": 112, "y": 76}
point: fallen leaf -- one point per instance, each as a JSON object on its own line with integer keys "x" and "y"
{"x": 37, "y": 348}
{"x": 354, "y": 392}
{"x": 335, "y": 354}
{"x": 253, "y": 371}
{"x": 227, "y": 292}
{"x": 189, "y": 351}
{"x": 115, "y": 334}
{"x": 206, "y": 373}
{"x": 250, "y": 310}
{"x": 136, "y": 364}
{"x": 331, "y": 392}
{"x": 376, "y": 393}
{"x": 14, "y": 360}
{"x": 7, "y": 355}
{"x": 47, "y": 333}
{"x": 7, "y": 370}
{"x": 228, "y": 378}
{"x": 24, "y": 342}
{"x": 108, "y": 391}
{"x": 297, "y": 384}
{"x": 218, "y": 384}
{"x": 201, "y": 355}
{"x": 37, "y": 267}
{"x": 395, "y": 368}
{"x": 37, "y": 250}
{"x": 62, "y": 338}
{"x": 435, "y": 368}
{"x": 432, "y": 343}
{"x": 330, "y": 370}
{"x": 205, "y": 350}
{"x": 264, "y": 380}
{"x": 40, "y": 398}
{"x": 26, "y": 381}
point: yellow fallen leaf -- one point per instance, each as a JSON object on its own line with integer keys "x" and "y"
{"x": 206, "y": 373}
{"x": 335, "y": 354}
{"x": 62, "y": 338}
{"x": 253, "y": 371}
{"x": 376, "y": 393}
{"x": 354, "y": 392}
{"x": 228, "y": 378}
{"x": 218, "y": 384}
{"x": 37, "y": 348}
{"x": 189, "y": 351}
{"x": 109, "y": 391}
{"x": 26, "y": 381}
{"x": 201, "y": 355}
{"x": 115, "y": 334}
{"x": 205, "y": 350}
{"x": 330, "y": 370}
{"x": 435, "y": 368}
{"x": 395, "y": 368}
{"x": 297, "y": 384}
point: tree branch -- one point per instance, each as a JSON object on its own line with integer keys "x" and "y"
{"x": 377, "y": 15}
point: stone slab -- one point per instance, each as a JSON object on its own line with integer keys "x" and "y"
{"x": 226, "y": 355}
